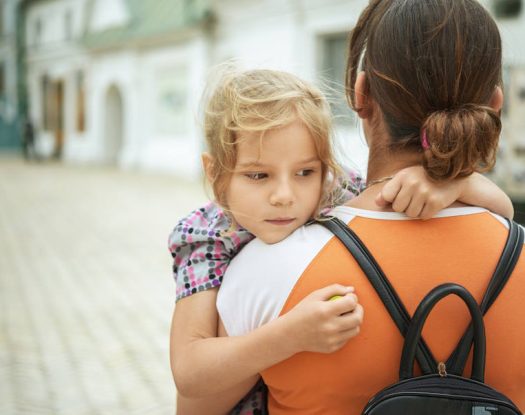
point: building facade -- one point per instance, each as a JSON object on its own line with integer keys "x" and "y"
{"x": 120, "y": 81}
{"x": 114, "y": 81}
{"x": 10, "y": 119}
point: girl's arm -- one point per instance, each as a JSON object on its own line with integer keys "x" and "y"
{"x": 186, "y": 326}
{"x": 201, "y": 245}
{"x": 411, "y": 191}
{"x": 205, "y": 366}
{"x": 478, "y": 190}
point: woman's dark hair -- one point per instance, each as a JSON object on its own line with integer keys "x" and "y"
{"x": 432, "y": 66}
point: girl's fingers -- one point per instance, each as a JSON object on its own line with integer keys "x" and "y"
{"x": 346, "y": 304}
{"x": 350, "y": 333}
{"x": 351, "y": 320}
{"x": 381, "y": 201}
{"x": 427, "y": 212}
{"x": 389, "y": 192}
{"x": 403, "y": 199}
{"x": 330, "y": 291}
{"x": 417, "y": 203}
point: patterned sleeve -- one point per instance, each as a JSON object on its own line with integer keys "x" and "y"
{"x": 350, "y": 185}
{"x": 202, "y": 245}
{"x": 353, "y": 182}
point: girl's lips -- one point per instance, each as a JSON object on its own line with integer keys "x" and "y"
{"x": 280, "y": 222}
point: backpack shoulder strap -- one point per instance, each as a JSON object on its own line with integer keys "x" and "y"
{"x": 379, "y": 281}
{"x": 506, "y": 264}
{"x": 456, "y": 362}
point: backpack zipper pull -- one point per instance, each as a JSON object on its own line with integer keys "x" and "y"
{"x": 442, "y": 369}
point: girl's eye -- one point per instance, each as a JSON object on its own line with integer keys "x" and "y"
{"x": 305, "y": 172}
{"x": 256, "y": 176}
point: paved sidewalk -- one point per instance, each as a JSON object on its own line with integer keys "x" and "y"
{"x": 86, "y": 293}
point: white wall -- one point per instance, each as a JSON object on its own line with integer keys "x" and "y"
{"x": 107, "y": 14}
{"x": 286, "y": 36}
{"x": 178, "y": 145}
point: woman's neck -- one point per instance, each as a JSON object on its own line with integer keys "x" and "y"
{"x": 385, "y": 163}
{"x": 382, "y": 165}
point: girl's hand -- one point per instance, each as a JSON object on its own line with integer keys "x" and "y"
{"x": 411, "y": 191}
{"x": 318, "y": 324}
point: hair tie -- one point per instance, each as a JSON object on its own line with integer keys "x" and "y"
{"x": 424, "y": 140}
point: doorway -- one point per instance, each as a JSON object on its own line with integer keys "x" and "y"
{"x": 113, "y": 125}
{"x": 57, "y": 109}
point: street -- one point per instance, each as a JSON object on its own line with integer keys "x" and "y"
{"x": 86, "y": 292}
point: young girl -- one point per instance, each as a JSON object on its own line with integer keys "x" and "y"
{"x": 271, "y": 167}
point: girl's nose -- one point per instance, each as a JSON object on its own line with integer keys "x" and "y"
{"x": 282, "y": 195}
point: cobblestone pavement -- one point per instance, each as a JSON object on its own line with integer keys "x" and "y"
{"x": 86, "y": 293}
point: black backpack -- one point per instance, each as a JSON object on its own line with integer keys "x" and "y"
{"x": 441, "y": 389}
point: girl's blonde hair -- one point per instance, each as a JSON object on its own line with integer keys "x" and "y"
{"x": 256, "y": 101}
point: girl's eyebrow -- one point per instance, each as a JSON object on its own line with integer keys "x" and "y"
{"x": 310, "y": 160}
{"x": 259, "y": 164}
{"x": 250, "y": 164}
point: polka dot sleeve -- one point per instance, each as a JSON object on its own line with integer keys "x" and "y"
{"x": 353, "y": 183}
{"x": 202, "y": 245}
{"x": 348, "y": 186}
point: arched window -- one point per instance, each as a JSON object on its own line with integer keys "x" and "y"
{"x": 38, "y": 30}
{"x": 504, "y": 9}
{"x": 68, "y": 25}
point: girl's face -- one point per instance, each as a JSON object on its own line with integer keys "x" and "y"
{"x": 277, "y": 182}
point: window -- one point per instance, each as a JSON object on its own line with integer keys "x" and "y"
{"x": 333, "y": 65}
{"x": 519, "y": 151}
{"x": 2, "y": 80}
{"x": 47, "y": 103}
{"x": 507, "y": 8}
{"x": 521, "y": 94}
{"x": 1, "y": 18}
{"x": 68, "y": 25}
{"x": 38, "y": 32}
{"x": 80, "y": 97}
{"x": 506, "y": 88}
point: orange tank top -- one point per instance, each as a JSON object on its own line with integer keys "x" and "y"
{"x": 416, "y": 256}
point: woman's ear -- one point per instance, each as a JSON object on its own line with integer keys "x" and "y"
{"x": 207, "y": 164}
{"x": 496, "y": 101}
{"x": 362, "y": 100}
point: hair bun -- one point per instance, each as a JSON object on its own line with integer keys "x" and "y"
{"x": 461, "y": 141}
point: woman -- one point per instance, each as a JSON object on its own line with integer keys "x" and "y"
{"x": 428, "y": 94}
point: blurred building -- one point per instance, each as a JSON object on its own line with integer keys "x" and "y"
{"x": 103, "y": 74}
{"x": 510, "y": 171}
{"x": 10, "y": 121}
{"x": 120, "y": 81}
